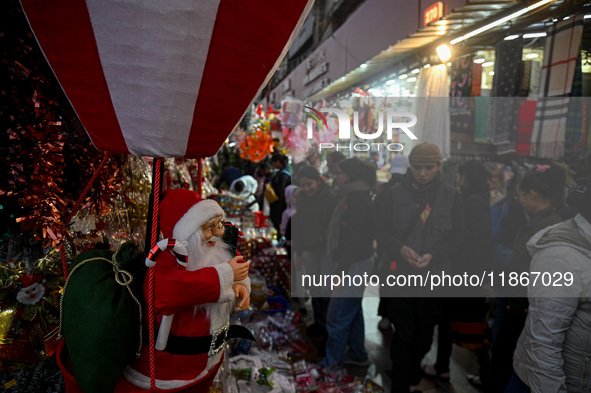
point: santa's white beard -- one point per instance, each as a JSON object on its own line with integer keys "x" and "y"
{"x": 201, "y": 255}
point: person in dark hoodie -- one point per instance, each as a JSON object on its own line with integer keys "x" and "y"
{"x": 419, "y": 227}
{"x": 350, "y": 244}
{"x": 464, "y": 318}
{"x": 535, "y": 193}
{"x": 398, "y": 168}
{"x": 280, "y": 180}
{"x": 315, "y": 204}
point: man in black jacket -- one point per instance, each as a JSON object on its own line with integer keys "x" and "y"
{"x": 280, "y": 180}
{"x": 420, "y": 228}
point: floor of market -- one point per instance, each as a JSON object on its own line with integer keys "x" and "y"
{"x": 377, "y": 343}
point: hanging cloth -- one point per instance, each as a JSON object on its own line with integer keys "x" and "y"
{"x": 558, "y": 70}
{"x": 504, "y": 110}
{"x": 432, "y": 108}
{"x": 527, "y": 115}
{"x": 461, "y": 84}
{"x": 576, "y": 122}
{"x": 481, "y": 107}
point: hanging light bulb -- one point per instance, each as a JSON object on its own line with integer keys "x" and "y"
{"x": 443, "y": 52}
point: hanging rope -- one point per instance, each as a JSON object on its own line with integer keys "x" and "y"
{"x": 75, "y": 210}
{"x": 158, "y": 165}
{"x": 199, "y": 176}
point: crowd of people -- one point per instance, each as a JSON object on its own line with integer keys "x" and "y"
{"x": 343, "y": 221}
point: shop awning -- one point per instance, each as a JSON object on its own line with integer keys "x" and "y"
{"x": 163, "y": 78}
{"x": 474, "y": 13}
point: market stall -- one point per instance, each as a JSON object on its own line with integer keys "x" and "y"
{"x": 107, "y": 198}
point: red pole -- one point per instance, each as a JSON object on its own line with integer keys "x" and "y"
{"x": 158, "y": 162}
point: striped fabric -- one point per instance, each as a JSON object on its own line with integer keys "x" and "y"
{"x": 558, "y": 69}
{"x": 163, "y": 78}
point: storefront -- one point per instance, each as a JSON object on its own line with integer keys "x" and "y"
{"x": 484, "y": 41}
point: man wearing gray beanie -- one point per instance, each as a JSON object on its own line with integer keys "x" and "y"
{"x": 420, "y": 224}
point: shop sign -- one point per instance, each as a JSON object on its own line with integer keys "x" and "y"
{"x": 433, "y": 13}
{"x": 315, "y": 59}
{"x": 315, "y": 73}
{"x": 321, "y": 84}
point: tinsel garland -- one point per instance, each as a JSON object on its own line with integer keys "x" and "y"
{"x": 45, "y": 377}
{"x": 46, "y": 156}
{"x": 46, "y": 162}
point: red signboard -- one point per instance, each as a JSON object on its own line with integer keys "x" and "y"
{"x": 433, "y": 13}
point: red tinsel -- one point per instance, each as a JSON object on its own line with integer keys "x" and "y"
{"x": 46, "y": 156}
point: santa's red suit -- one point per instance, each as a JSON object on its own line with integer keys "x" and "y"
{"x": 200, "y": 300}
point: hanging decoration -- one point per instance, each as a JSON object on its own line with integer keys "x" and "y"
{"x": 45, "y": 155}
{"x": 256, "y": 143}
{"x": 29, "y": 310}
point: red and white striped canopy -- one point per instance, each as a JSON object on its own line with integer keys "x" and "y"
{"x": 163, "y": 78}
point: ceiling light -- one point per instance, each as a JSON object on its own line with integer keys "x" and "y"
{"x": 511, "y": 37}
{"x": 403, "y": 76}
{"x": 427, "y": 66}
{"x": 415, "y": 71}
{"x": 443, "y": 52}
{"x": 413, "y": 79}
{"x": 363, "y": 65}
{"x": 587, "y": 16}
{"x": 449, "y": 64}
{"x": 488, "y": 63}
{"x": 480, "y": 60}
{"x": 531, "y": 55}
{"x": 390, "y": 82}
{"x": 566, "y": 18}
{"x": 499, "y": 21}
{"x": 491, "y": 73}
{"x": 534, "y": 35}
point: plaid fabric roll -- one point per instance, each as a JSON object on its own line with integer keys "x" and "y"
{"x": 558, "y": 70}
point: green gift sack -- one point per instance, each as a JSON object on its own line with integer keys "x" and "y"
{"x": 102, "y": 315}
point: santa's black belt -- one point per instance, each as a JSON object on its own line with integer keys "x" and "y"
{"x": 211, "y": 345}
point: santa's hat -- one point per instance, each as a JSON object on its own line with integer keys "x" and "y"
{"x": 29, "y": 279}
{"x": 182, "y": 212}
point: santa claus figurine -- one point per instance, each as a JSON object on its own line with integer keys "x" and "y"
{"x": 32, "y": 290}
{"x": 195, "y": 298}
